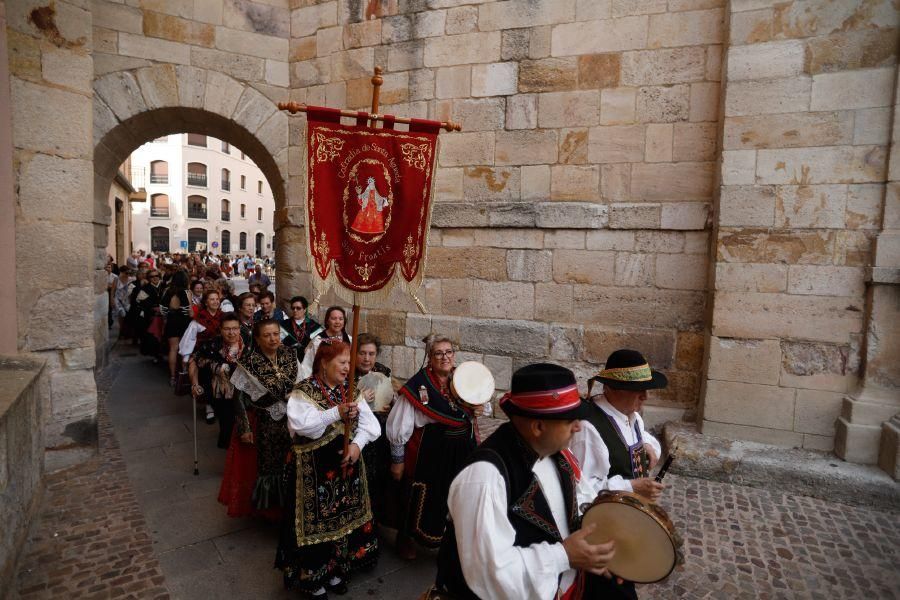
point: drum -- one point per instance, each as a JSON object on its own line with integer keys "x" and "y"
{"x": 472, "y": 383}
{"x": 381, "y": 385}
{"x": 646, "y": 542}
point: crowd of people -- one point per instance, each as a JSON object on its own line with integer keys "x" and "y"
{"x": 504, "y": 512}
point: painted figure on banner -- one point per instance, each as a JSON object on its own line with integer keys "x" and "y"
{"x": 370, "y": 218}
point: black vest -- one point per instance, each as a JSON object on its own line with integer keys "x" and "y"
{"x": 620, "y": 459}
{"x": 528, "y": 510}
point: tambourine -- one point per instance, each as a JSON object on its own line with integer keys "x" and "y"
{"x": 381, "y": 385}
{"x": 472, "y": 383}
{"x": 647, "y": 547}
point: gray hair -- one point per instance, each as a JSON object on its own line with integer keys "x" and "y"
{"x": 435, "y": 338}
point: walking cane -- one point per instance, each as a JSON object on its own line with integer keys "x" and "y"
{"x": 194, "y": 412}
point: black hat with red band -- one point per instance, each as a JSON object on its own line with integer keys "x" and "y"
{"x": 544, "y": 391}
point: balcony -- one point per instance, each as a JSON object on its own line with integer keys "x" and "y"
{"x": 196, "y": 179}
{"x": 156, "y": 178}
{"x": 226, "y": 215}
{"x": 196, "y": 212}
{"x": 226, "y": 185}
{"x": 159, "y": 211}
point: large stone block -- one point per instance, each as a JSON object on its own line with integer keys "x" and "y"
{"x": 811, "y": 206}
{"x": 704, "y": 102}
{"x": 767, "y": 246}
{"x": 239, "y": 66}
{"x": 553, "y": 302}
{"x": 495, "y": 79}
{"x": 634, "y": 269}
{"x": 864, "y": 88}
{"x": 673, "y": 181}
{"x": 597, "y": 71}
{"x": 524, "y": 13}
{"x": 50, "y": 120}
{"x": 307, "y": 20}
{"x": 616, "y": 144}
{"x": 663, "y": 104}
{"x": 748, "y": 277}
{"x": 509, "y": 238}
{"x": 681, "y": 271}
{"x": 684, "y": 215}
{"x": 159, "y": 86}
{"x": 468, "y": 149}
{"x": 845, "y": 50}
{"x": 191, "y": 83}
{"x": 657, "y": 67}
{"x": 350, "y": 64}
{"x": 789, "y": 131}
{"x": 529, "y": 265}
{"x": 461, "y": 49}
{"x": 178, "y": 29}
{"x": 826, "y": 280}
{"x": 504, "y": 300}
{"x": 548, "y": 75}
{"x": 749, "y": 404}
{"x": 773, "y": 60}
{"x": 815, "y": 318}
{"x": 453, "y": 82}
{"x": 573, "y": 146}
{"x": 592, "y": 37}
{"x": 571, "y": 215}
{"x": 68, "y": 68}
{"x": 634, "y": 216}
{"x": 615, "y": 182}
{"x": 689, "y": 351}
{"x": 458, "y": 263}
{"x": 834, "y": 164}
{"x": 117, "y": 16}
{"x": 73, "y": 394}
{"x": 154, "y": 49}
{"x": 577, "y": 183}
{"x": 584, "y": 266}
{"x": 694, "y": 142}
{"x": 568, "y": 239}
{"x": 658, "y": 142}
{"x": 657, "y": 346}
{"x": 818, "y": 366}
{"x": 569, "y": 109}
{"x": 738, "y": 167}
{"x": 51, "y": 188}
{"x": 686, "y": 28}
{"x": 524, "y": 148}
{"x": 40, "y": 329}
{"x": 521, "y": 111}
{"x": 222, "y": 94}
{"x": 462, "y": 19}
{"x": 649, "y": 307}
{"x": 253, "y": 109}
{"x": 491, "y": 183}
{"x": 817, "y": 411}
{"x": 618, "y": 106}
{"x": 770, "y": 96}
{"x": 748, "y": 361}
{"x": 609, "y": 240}
{"x": 504, "y": 337}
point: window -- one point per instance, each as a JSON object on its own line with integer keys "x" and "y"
{"x": 226, "y": 148}
{"x": 259, "y": 214}
{"x": 259, "y": 187}
{"x": 196, "y": 175}
{"x": 196, "y": 239}
{"x": 243, "y": 182}
{"x": 242, "y": 156}
{"x": 159, "y": 171}
{"x": 226, "y": 180}
{"x": 243, "y": 238}
{"x": 243, "y": 211}
{"x": 159, "y": 206}
{"x": 159, "y": 239}
{"x": 260, "y": 240}
{"x": 195, "y": 139}
{"x": 226, "y": 242}
{"x": 226, "y": 210}
{"x": 196, "y": 207}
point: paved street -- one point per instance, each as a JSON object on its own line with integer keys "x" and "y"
{"x": 105, "y": 535}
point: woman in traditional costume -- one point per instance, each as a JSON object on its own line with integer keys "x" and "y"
{"x": 203, "y": 328}
{"x": 430, "y": 435}
{"x": 328, "y": 530}
{"x": 265, "y": 374}
{"x": 217, "y": 358}
{"x": 246, "y": 308}
{"x": 299, "y": 325}
{"x": 335, "y": 320}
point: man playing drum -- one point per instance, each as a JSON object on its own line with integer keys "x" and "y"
{"x": 613, "y": 448}
{"x": 514, "y": 506}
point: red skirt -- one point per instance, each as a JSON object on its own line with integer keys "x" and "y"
{"x": 240, "y": 473}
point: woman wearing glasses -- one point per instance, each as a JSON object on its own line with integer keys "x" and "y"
{"x": 430, "y": 435}
{"x": 299, "y": 325}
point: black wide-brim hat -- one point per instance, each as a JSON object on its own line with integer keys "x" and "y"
{"x": 628, "y": 370}
{"x": 544, "y": 391}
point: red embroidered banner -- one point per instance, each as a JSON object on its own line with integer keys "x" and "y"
{"x": 369, "y": 202}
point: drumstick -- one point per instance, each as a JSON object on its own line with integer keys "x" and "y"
{"x": 665, "y": 468}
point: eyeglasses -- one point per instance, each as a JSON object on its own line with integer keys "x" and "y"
{"x": 443, "y": 354}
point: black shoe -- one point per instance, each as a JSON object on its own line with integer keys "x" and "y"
{"x": 340, "y": 589}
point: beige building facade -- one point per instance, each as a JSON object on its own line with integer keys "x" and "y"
{"x": 202, "y": 194}
{"x": 713, "y": 182}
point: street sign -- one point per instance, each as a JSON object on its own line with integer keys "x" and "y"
{"x": 183, "y": 243}
{"x": 215, "y": 244}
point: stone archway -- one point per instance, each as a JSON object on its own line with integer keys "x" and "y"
{"x": 135, "y": 106}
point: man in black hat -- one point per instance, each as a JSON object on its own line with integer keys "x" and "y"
{"x": 514, "y": 506}
{"x": 612, "y": 446}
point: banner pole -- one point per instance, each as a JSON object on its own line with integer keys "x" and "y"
{"x": 377, "y": 81}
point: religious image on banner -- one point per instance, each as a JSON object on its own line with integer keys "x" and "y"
{"x": 369, "y": 203}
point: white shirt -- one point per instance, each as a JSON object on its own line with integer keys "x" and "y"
{"x": 306, "y": 366}
{"x": 189, "y": 339}
{"x": 307, "y": 419}
{"x": 492, "y": 565}
{"x": 593, "y": 455}
{"x": 403, "y": 419}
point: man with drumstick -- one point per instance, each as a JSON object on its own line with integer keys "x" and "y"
{"x": 514, "y": 507}
{"x": 613, "y": 448}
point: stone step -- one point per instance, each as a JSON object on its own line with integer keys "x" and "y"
{"x": 889, "y": 453}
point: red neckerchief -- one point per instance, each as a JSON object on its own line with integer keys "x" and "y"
{"x": 228, "y": 356}
{"x": 326, "y": 390}
{"x": 299, "y": 333}
{"x": 443, "y": 388}
{"x": 211, "y": 323}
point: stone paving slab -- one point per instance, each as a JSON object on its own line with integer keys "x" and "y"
{"x": 739, "y": 542}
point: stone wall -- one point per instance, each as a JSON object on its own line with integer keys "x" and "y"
{"x": 571, "y": 214}
{"x": 806, "y": 134}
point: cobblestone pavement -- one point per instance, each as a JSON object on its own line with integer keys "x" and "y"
{"x": 90, "y": 539}
{"x": 160, "y": 527}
